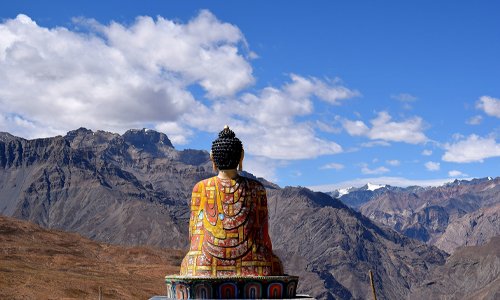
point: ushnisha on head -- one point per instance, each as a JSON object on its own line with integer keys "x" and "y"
{"x": 227, "y": 151}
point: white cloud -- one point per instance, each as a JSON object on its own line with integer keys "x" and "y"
{"x": 178, "y": 135}
{"x": 408, "y": 131}
{"x": 266, "y": 121}
{"x": 456, "y": 173}
{"x": 355, "y": 127}
{"x": 18, "y": 126}
{"x": 394, "y": 162}
{"x": 371, "y": 144}
{"x": 334, "y": 166}
{"x": 376, "y": 171}
{"x": 393, "y": 181}
{"x": 427, "y": 152}
{"x": 472, "y": 149}
{"x": 475, "y": 120}
{"x": 490, "y": 105}
{"x": 262, "y": 167}
{"x": 116, "y": 77}
{"x": 432, "y": 166}
{"x": 327, "y": 128}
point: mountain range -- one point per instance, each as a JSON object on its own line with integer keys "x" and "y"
{"x": 134, "y": 189}
{"x": 459, "y": 213}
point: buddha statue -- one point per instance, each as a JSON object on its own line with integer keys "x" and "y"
{"x": 229, "y": 228}
{"x": 230, "y": 254}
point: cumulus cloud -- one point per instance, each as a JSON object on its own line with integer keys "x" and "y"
{"x": 178, "y": 135}
{"x": 262, "y": 167}
{"x": 334, "y": 166}
{"x": 471, "y": 149}
{"x": 490, "y": 105}
{"x": 116, "y": 77}
{"x": 432, "y": 166}
{"x": 456, "y": 173}
{"x": 408, "y": 131}
{"x": 266, "y": 121}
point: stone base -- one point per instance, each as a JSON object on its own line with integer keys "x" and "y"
{"x": 299, "y": 297}
{"x": 238, "y": 287}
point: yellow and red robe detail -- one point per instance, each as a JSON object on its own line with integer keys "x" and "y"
{"x": 229, "y": 230}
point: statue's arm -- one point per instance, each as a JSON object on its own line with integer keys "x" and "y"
{"x": 195, "y": 206}
{"x": 264, "y": 218}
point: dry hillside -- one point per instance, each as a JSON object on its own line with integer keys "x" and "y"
{"x": 37, "y": 263}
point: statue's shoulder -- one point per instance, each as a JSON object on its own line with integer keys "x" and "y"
{"x": 254, "y": 184}
{"x": 202, "y": 184}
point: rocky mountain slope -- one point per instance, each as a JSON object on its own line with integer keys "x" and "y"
{"x": 133, "y": 189}
{"x": 355, "y": 197}
{"x": 102, "y": 185}
{"x": 426, "y": 213}
{"x": 37, "y": 263}
{"x": 321, "y": 239}
{"x": 472, "y": 229}
{"x": 470, "y": 273}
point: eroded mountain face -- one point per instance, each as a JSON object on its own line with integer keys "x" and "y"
{"x": 130, "y": 189}
{"x": 470, "y": 273}
{"x": 134, "y": 189}
{"x": 321, "y": 238}
{"x": 445, "y": 216}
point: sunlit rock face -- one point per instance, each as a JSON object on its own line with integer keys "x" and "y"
{"x": 102, "y": 185}
{"x": 107, "y": 188}
{"x": 470, "y": 273}
{"x": 426, "y": 213}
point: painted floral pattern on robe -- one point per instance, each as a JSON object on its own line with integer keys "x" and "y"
{"x": 228, "y": 230}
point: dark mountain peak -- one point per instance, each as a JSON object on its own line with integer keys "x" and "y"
{"x": 472, "y": 181}
{"x": 312, "y": 198}
{"x": 78, "y": 132}
{"x": 86, "y": 139}
{"x": 194, "y": 157}
{"x": 145, "y": 138}
{"x": 7, "y": 137}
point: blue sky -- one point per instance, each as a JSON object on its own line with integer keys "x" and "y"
{"x": 321, "y": 93}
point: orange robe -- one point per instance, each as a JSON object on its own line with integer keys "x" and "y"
{"x": 229, "y": 230}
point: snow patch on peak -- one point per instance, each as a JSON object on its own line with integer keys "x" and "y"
{"x": 490, "y": 178}
{"x": 373, "y": 187}
{"x": 345, "y": 191}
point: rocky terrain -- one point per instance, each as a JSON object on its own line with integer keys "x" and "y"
{"x": 470, "y": 273}
{"x": 102, "y": 185}
{"x": 443, "y": 216}
{"x": 133, "y": 189}
{"x": 37, "y": 263}
{"x": 321, "y": 239}
{"x": 472, "y": 229}
{"x": 355, "y": 197}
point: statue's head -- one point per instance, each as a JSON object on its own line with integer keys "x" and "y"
{"x": 227, "y": 150}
